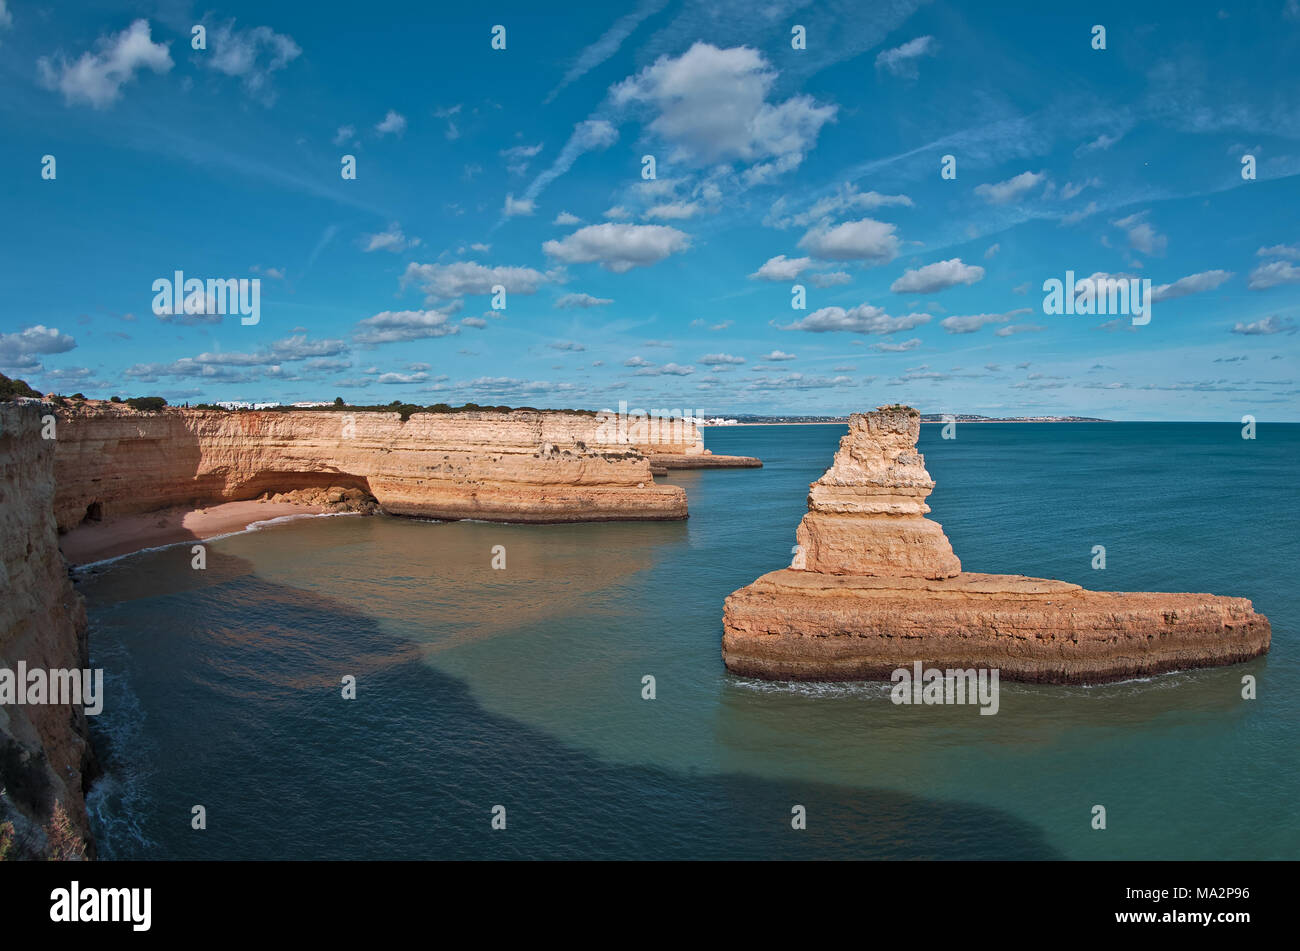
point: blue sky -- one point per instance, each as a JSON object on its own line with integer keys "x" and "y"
{"x": 522, "y": 167}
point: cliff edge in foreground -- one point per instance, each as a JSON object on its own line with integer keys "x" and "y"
{"x": 874, "y": 586}
{"x": 45, "y": 752}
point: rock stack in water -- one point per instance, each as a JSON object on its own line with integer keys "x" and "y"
{"x": 875, "y": 586}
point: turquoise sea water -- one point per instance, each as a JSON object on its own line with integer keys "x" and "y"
{"x": 523, "y": 687}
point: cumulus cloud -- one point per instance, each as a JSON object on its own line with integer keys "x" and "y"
{"x": 249, "y": 55}
{"x": 830, "y": 279}
{"x": 711, "y": 105}
{"x": 619, "y": 247}
{"x": 1291, "y": 251}
{"x": 779, "y": 356}
{"x": 445, "y": 281}
{"x": 901, "y": 60}
{"x": 937, "y": 277}
{"x": 863, "y": 240}
{"x": 569, "y": 301}
{"x": 390, "y": 240}
{"x": 1272, "y": 274}
{"x": 1013, "y": 189}
{"x": 673, "y": 211}
{"x": 846, "y": 199}
{"x": 862, "y": 319}
{"x": 968, "y": 324}
{"x": 393, "y": 123}
{"x": 897, "y": 347}
{"x": 519, "y": 206}
{"x": 720, "y": 359}
{"x": 21, "y": 349}
{"x": 401, "y": 325}
{"x": 668, "y": 369}
{"x": 1266, "y": 326}
{"x": 97, "y": 78}
{"x": 564, "y": 218}
{"x": 1141, "y": 235}
{"x": 781, "y": 268}
{"x": 1191, "y": 284}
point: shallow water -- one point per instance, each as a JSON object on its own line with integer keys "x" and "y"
{"x": 522, "y": 687}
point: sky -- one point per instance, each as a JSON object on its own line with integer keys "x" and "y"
{"x": 920, "y": 170}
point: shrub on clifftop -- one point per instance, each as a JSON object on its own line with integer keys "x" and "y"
{"x": 12, "y": 389}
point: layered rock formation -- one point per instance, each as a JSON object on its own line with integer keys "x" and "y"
{"x": 521, "y": 466}
{"x": 45, "y": 754}
{"x": 875, "y": 586}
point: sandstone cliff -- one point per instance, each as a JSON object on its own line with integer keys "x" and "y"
{"x": 45, "y": 753}
{"x": 521, "y": 466}
{"x": 875, "y": 586}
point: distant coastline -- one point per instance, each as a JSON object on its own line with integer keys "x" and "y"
{"x": 931, "y": 418}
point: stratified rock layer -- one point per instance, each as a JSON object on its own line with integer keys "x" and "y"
{"x": 875, "y": 587}
{"x": 521, "y": 466}
{"x": 44, "y": 748}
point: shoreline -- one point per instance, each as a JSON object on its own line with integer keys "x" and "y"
{"x": 94, "y": 542}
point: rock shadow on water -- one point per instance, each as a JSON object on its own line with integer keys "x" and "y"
{"x": 254, "y": 729}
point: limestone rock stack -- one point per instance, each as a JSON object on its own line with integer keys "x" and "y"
{"x": 866, "y": 515}
{"x": 875, "y": 586}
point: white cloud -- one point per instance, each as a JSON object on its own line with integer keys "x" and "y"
{"x": 617, "y": 213}
{"x": 619, "y": 247}
{"x": 903, "y": 347}
{"x": 668, "y": 369}
{"x": 397, "y": 326}
{"x": 390, "y": 240}
{"x": 569, "y": 301}
{"x": 97, "y": 78}
{"x": 863, "y": 240}
{"x": 862, "y": 319}
{"x": 901, "y": 60}
{"x": 637, "y": 362}
{"x": 1018, "y": 329}
{"x": 847, "y": 198}
{"x": 345, "y": 134}
{"x": 781, "y": 268}
{"x": 1002, "y": 193}
{"x": 1191, "y": 284}
{"x": 1075, "y": 217}
{"x": 992, "y": 250}
{"x": 518, "y": 156}
{"x": 1141, "y": 235}
{"x": 1291, "y": 251}
{"x": 968, "y": 324}
{"x": 469, "y": 277}
{"x": 249, "y": 55}
{"x": 564, "y": 218}
{"x": 1099, "y": 144}
{"x": 937, "y": 277}
{"x": 1266, "y": 326}
{"x": 830, "y": 279}
{"x": 19, "y": 349}
{"x": 520, "y": 206}
{"x": 779, "y": 356}
{"x": 710, "y": 104}
{"x": 673, "y": 211}
{"x": 588, "y": 135}
{"x": 720, "y": 359}
{"x": 568, "y": 346}
{"x": 393, "y": 123}
{"x": 1272, "y": 274}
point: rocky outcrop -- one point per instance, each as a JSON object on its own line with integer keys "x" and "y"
{"x": 520, "y": 466}
{"x": 866, "y": 515}
{"x": 875, "y": 586}
{"x": 45, "y": 754}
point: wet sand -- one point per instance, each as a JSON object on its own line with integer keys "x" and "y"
{"x": 95, "y": 541}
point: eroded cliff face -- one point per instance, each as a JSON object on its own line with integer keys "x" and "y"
{"x": 523, "y": 466}
{"x": 45, "y": 753}
{"x": 875, "y": 586}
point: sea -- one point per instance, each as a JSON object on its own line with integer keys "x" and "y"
{"x": 356, "y": 687}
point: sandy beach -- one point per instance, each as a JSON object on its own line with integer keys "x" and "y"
{"x": 95, "y": 541}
